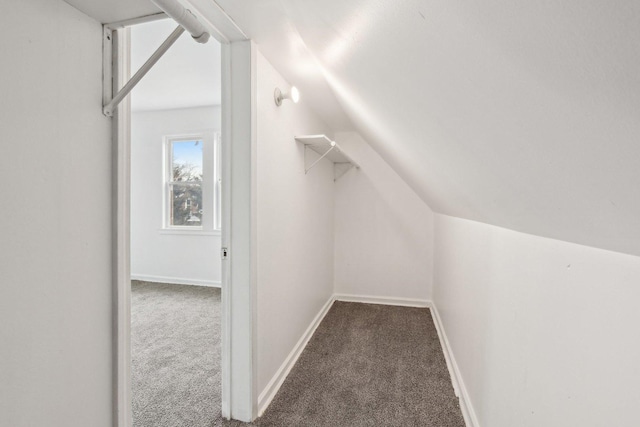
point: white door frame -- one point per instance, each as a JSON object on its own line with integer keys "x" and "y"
{"x": 238, "y": 337}
{"x": 121, "y": 188}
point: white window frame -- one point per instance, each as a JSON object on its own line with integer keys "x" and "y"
{"x": 211, "y": 184}
{"x": 217, "y": 182}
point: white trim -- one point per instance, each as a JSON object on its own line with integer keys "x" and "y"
{"x": 469, "y": 414}
{"x": 207, "y": 183}
{"x": 221, "y": 26}
{"x": 188, "y": 232}
{"x": 370, "y": 299}
{"x": 241, "y": 269}
{"x": 274, "y": 385}
{"x": 176, "y": 280}
{"x": 121, "y": 133}
{"x": 272, "y": 388}
{"x": 118, "y": 25}
{"x": 225, "y": 236}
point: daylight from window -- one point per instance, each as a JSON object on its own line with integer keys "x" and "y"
{"x": 185, "y": 187}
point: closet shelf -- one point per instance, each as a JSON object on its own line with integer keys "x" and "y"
{"x": 330, "y": 150}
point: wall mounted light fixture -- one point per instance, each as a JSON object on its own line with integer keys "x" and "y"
{"x": 293, "y": 94}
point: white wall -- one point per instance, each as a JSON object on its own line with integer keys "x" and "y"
{"x": 295, "y": 225}
{"x": 545, "y": 332}
{"x": 55, "y": 250}
{"x": 383, "y": 230}
{"x": 156, "y": 255}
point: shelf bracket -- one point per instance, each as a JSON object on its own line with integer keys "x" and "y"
{"x": 333, "y": 145}
{"x": 339, "y": 169}
{"x": 122, "y": 93}
{"x": 323, "y": 146}
{"x": 187, "y": 21}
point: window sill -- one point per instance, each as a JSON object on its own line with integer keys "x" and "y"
{"x": 185, "y": 232}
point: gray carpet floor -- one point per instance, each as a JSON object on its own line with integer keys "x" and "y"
{"x": 369, "y": 365}
{"x": 175, "y": 352}
{"x": 366, "y": 365}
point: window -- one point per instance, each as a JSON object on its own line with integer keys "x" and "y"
{"x": 192, "y": 182}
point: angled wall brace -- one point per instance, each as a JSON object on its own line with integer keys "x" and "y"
{"x": 328, "y": 149}
{"x": 187, "y": 21}
{"x": 122, "y": 93}
{"x": 332, "y": 145}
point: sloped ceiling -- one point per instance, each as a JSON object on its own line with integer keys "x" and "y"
{"x": 521, "y": 114}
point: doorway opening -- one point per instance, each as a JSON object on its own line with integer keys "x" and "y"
{"x": 235, "y": 145}
{"x": 175, "y": 230}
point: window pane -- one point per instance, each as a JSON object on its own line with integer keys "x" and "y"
{"x": 186, "y": 160}
{"x": 186, "y": 204}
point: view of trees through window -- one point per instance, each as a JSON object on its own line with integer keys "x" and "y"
{"x": 185, "y": 187}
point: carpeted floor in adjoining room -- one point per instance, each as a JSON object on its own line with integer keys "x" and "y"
{"x": 369, "y": 365}
{"x": 175, "y": 352}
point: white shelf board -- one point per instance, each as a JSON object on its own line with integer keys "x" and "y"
{"x": 321, "y": 144}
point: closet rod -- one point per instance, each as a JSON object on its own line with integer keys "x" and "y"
{"x": 185, "y": 18}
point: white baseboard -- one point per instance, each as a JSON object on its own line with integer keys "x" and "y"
{"x": 470, "y": 418}
{"x": 369, "y": 299}
{"x": 176, "y": 280}
{"x": 274, "y": 385}
{"x": 272, "y": 388}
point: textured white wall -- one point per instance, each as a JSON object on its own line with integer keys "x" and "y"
{"x": 383, "y": 230}
{"x": 55, "y": 249}
{"x": 155, "y": 255}
{"x": 295, "y": 225}
{"x": 544, "y": 332}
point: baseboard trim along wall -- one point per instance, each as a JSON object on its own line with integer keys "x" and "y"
{"x": 369, "y": 299}
{"x": 470, "y": 418}
{"x": 274, "y": 385}
{"x": 176, "y": 280}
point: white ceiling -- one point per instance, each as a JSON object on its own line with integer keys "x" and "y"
{"x": 188, "y": 75}
{"x": 522, "y": 114}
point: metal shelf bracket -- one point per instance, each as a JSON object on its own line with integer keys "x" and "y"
{"x": 330, "y": 150}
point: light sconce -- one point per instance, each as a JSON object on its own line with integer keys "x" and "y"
{"x": 293, "y": 94}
